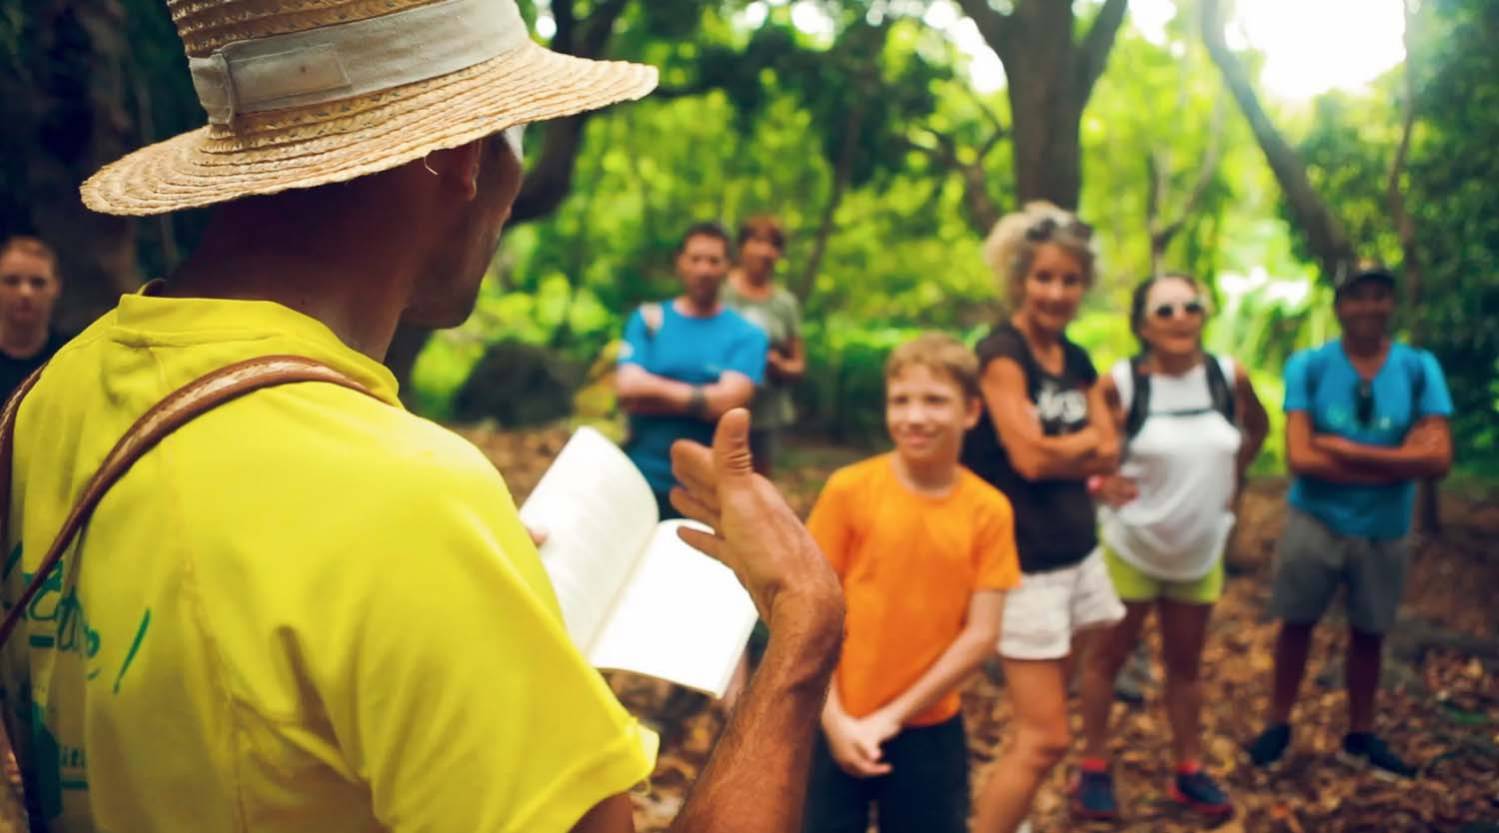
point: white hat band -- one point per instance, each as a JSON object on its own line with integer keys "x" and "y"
{"x": 337, "y": 62}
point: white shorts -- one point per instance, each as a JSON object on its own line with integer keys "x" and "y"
{"x": 1043, "y": 613}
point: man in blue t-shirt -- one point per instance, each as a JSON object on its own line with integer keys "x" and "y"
{"x": 1366, "y": 417}
{"x": 686, "y": 362}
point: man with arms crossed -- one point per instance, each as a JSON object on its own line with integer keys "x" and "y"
{"x": 1366, "y": 417}
{"x": 308, "y": 610}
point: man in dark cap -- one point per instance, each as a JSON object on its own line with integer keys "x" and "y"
{"x": 1366, "y": 417}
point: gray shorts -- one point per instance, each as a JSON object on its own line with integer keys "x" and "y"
{"x": 1315, "y": 561}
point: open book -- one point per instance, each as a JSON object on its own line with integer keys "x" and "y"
{"x": 634, "y": 597}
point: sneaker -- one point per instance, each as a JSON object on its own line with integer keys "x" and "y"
{"x": 1198, "y": 792}
{"x": 1093, "y": 796}
{"x": 1364, "y": 750}
{"x": 1266, "y": 750}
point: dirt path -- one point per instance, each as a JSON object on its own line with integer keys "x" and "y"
{"x": 1443, "y": 709}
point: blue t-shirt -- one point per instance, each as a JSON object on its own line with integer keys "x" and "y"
{"x": 1409, "y": 387}
{"x": 693, "y": 350}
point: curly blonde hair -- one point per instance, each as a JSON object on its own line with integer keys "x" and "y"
{"x": 1012, "y": 244}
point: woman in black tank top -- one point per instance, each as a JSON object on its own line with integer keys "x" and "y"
{"x": 1044, "y": 431}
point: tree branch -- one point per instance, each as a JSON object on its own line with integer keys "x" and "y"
{"x": 997, "y": 29}
{"x": 1405, "y": 225}
{"x": 1161, "y": 234}
{"x": 1324, "y": 232}
{"x": 1093, "y": 56}
{"x": 551, "y": 178}
{"x": 599, "y": 28}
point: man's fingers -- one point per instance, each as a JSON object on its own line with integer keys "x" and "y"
{"x": 692, "y": 466}
{"x": 709, "y": 545}
{"x": 688, "y": 504}
{"x": 731, "y": 450}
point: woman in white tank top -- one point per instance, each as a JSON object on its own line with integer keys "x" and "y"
{"x": 1191, "y": 424}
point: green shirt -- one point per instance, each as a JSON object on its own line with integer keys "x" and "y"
{"x": 780, "y": 316}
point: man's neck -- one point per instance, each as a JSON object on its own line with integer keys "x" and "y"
{"x": 358, "y": 291}
{"x": 1365, "y": 348}
{"x": 1174, "y": 364}
{"x": 693, "y": 309}
{"x": 752, "y": 285}
{"x": 932, "y": 479}
{"x": 23, "y": 342}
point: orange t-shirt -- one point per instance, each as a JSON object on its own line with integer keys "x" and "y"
{"x": 910, "y": 565}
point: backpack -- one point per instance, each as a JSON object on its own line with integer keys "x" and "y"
{"x": 1220, "y": 393}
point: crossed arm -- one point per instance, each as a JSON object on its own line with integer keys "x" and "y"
{"x": 787, "y": 366}
{"x": 1035, "y": 456}
{"x": 643, "y": 392}
{"x": 1426, "y": 453}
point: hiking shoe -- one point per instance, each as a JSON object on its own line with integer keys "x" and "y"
{"x": 1198, "y": 792}
{"x": 1093, "y": 796}
{"x": 1266, "y": 750}
{"x": 1365, "y": 750}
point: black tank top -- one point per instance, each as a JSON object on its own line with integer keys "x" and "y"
{"x": 1054, "y": 519}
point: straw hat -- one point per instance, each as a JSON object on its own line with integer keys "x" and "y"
{"x": 307, "y": 92}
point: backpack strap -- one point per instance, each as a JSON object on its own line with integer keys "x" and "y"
{"x": 653, "y": 315}
{"x": 1220, "y": 389}
{"x": 180, "y": 407}
{"x": 1139, "y": 403}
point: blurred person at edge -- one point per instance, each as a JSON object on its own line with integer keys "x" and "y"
{"x": 1366, "y": 417}
{"x": 29, "y": 288}
{"x": 1045, "y": 430}
{"x": 752, "y": 291}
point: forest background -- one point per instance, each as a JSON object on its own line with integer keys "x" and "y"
{"x": 868, "y": 129}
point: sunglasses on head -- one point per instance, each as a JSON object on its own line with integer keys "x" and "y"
{"x": 1363, "y": 402}
{"x": 1044, "y": 228}
{"x": 1167, "y": 311}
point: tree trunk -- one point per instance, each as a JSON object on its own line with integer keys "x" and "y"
{"x": 1050, "y": 79}
{"x": 78, "y": 122}
{"x": 1429, "y": 499}
{"x": 1325, "y": 234}
{"x": 842, "y": 171}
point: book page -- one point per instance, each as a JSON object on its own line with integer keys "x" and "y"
{"x": 683, "y": 617}
{"x": 598, "y": 513}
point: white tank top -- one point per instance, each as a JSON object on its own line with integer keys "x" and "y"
{"x": 1184, "y": 466}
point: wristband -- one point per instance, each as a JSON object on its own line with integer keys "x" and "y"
{"x": 697, "y": 404}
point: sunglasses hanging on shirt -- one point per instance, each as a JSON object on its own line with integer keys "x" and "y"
{"x": 1363, "y": 402}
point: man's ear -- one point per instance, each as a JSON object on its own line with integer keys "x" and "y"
{"x": 458, "y": 167}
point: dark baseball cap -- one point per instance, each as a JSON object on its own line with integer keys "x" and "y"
{"x": 1363, "y": 272}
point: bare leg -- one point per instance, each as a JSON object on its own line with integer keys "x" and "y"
{"x": 1038, "y": 691}
{"x": 1291, "y": 649}
{"x": 1365, "y": 651}
{"x": 1183, "y": 632}
{"x": 1106, "y": 653}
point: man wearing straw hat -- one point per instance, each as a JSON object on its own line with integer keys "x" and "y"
{"x": 307, "y": 610}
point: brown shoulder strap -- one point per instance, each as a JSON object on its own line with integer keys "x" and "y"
{"x": 196, "y": 397}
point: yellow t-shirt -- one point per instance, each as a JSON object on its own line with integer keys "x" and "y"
{"x": 910, "y": 565}
{"x": 306, "y": 611}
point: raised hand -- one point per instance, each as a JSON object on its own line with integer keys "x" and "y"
{"x": 756, "y": 533}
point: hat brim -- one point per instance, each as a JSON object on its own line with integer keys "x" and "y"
{"x": 266, "y": 153}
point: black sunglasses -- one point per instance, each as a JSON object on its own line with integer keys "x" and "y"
{"x": 1167, "y": 311}
{"x": 1047, "y": 226}
{"x": 1363, "y": 402}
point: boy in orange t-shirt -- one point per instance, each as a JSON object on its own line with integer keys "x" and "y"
{"x": 925, "y": 551}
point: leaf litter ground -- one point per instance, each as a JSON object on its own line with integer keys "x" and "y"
{"x": 1440, "y": 705}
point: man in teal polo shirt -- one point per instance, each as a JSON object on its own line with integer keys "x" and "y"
{"x": 1366, "y": 417}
